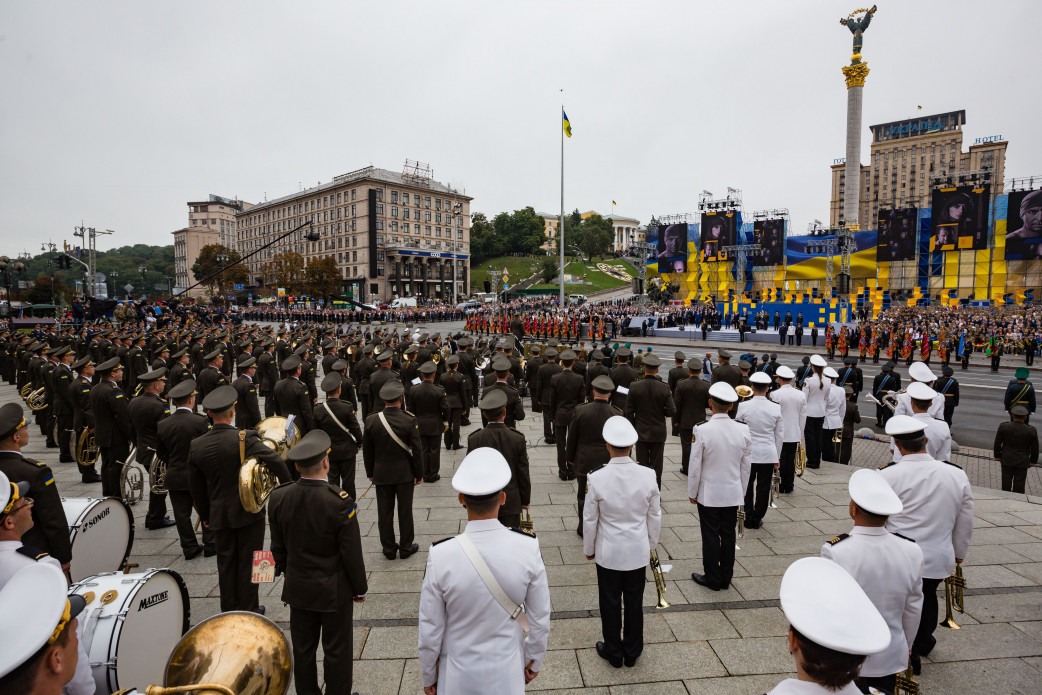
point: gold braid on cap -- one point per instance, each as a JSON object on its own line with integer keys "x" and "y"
{"x": 61, "y": 623}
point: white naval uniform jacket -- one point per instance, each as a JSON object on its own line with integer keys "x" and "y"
{"x": 904, "y": 406}
{"x": 721, "y": 456}
{"x": 622, "y": 516}
{"x": 468, "y": 643}
{"x": 817, "y": 394}
{"x": 938, "y": 510}
{"x": 938, "y": 439}
{"x": 791, "y": 686}
{"x": 835, "y": 408}
{"x": 890, "y": 570}
{"x": 766, "y": 430}
{"x": 793, "y": 404}
{"x": 11, "y": 562}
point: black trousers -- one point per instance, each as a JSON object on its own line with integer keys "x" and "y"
{"x": 812, "y": 440}
{"x": 758, "y": 492}
{"x": 788, "y": 466}
{"x": 924, "y": 639}
{"x": 386, "y": 498}
{"x": 548, "y": 424}
{"x": 580, "y": 496}
{"x": 269, "y": 404}
{"x": 650, "y": 454}
{"x": 846, "y": 449}
{"x": 619, "y": 591}
{"x": 342, "y": 474}
{"x": 828, "y": 447}
{"x": 510, "y": 520}
{"x": 685, "y": 451}
{"x": 112, "y": 459}
{"x": 430, "y": 454}
{"x": 452, "y": 434}
{"x": 335, "y": 629}
{"x": 363, "y": 401}
{"x": 1013, "y": 479}
{"x": 181, "y": 502}
{"x": 995, "y": 362}
{"x": 884, "y": 684}
{"x": 156, "y": 508}
{"x": 235, "y": 548}
{"x": 65, "y": 450}
{"x": 948, "y": 413}
{"x": 561, "y": 435}
{"x": 718, "y": 535}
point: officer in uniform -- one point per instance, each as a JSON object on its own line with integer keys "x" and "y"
{"x": 44, "y": 656}
{"x": 718, "y": 476}
{"x": 621, "y": 524}
{"x": 515, "y": 406}
{"x": 470, "y": 642}
{"x": 938, "y": 515}
{"x": 566, "y": 390}
{"x": 211, "y": 376}
{"x": 247, "y": 410}
{"x": 622, "y": 375}
{"x": 585, "y": 450}
{"x": 391, "y": 455}
{"x": 456, "y": 395}
{"x": 532, "y": 374}
{"x": 793, "y": 404}
{"x": 380, "y": 377}
{"x": 546, "y": 374}
{"x": 648, "y": 405}
{"x": 213, "y": 472}
{"x": 61, "y": 405}
{"x": 145, "y": 412}
{"x": 725, "y": 371}
{"x": 112, "y": 428}
{"x": 292, "y": 398}
{"x": 802, "y": 372}
{"x": 431, "y": 409}
{"x": 763, "y": 417}
{"x": 919, "y": 372}
{"x": 511, "y": 444}
{"x": 888, "y": 567}
{"x": 466, "y": 370}
{"x": 336, "y": 417}
{"x": 1016, "y": 448}
{"x": 1020, "y": 391}
{"x": 83, "y": 412}
{"x": 179, "y": 369}
{"x": 174, "y": 437}
{"x": 317, "y": 546}
{"x": 886, "y": 380}
{"x": 938, "y": 435}
{"x": 267, "y": 375}
{"x": 827, "y": 652}
{"x": 678, "y": 372}
{"x": 691, "y": 399}
{"x": 948, "y": 387}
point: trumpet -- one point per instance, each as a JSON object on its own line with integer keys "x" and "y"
{"x": 953, "y": 598}
{"x": 837, "y": 436}
{"x": 526, "y": 520}
{"x": 739, "y": 526}
{"x": 775, "y": 487}
{"x": 801, "y": 458}
{"x": 906, "y": 684}
{"x": 660, "y": 580}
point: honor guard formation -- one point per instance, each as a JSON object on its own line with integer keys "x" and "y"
{"x": 255, "y": 431}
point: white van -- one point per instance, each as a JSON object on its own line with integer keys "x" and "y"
{"x": 402, "y": 303}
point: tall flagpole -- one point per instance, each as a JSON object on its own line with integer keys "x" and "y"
{"x": 560, "y": 221}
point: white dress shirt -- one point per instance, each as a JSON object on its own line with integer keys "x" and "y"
{"x": 792, "y": 686}
{"x": 817, "y": 394}
{"x": 904, "y": 406}
{"x": 793, "y": 404}
{"x": 622, "y": 516}
{"x": 890, "y": 570}
{"x": 468, "y": 644}
{"x": 835, "y": 407}
{"x": 938, "y": 510}
{"x": 766, "y": 430}
{"x": 938, "y": 439}
{"x": 721, "y": 456}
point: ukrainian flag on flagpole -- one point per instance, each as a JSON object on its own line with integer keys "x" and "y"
{"x": 567, "y": 124}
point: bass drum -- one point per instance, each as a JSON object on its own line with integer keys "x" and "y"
{"x": 102, "y": 534}
{"x": 130, "y": 625}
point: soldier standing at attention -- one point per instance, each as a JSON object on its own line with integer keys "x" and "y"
{"x": 948, "y": 387}
{"x": 793, "y": 404}
{"x": 247, "y": 410}
{"x": 515, "y": 406}
{"x": 678, "y": 372}
{"x": 763, "y": 417}
{"x": 511, "y": 444}
{"x": 567, "y": 390}
{"x": 1020, "y": 392}
{"x": 648, "y": 405}
{"x": 291, "y": 396}
{"x": 211, "y": 377}
{"x": 391, "y": 455}
{"x": 1016, "y": 447}
{"x": 381, "y": 376}
{"x": 146, "y": 411}
{"x": 112, "y": 430}
{"x": 456, "y": 396}
{"x": 214, "y": 460}
{"x": 691, "y": 399}
{"x": 431, "y": 408}
{"x": 83, "y": 412}
{"x": 267, "y": 375}
{"x": 622, "y": 375}
{"x": 317, "y": 546}
{"x": 336, "y": 417}
{"x": 546, "y": 374}
{"x": 585, "y": 451}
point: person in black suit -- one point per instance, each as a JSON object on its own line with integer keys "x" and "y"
{"x": 214, "y": 460}
{"x": 336, "y": 417}
{"x": 174, "y": 437}
{"x": 585, "y": 450}
{"x": 50, "y": 531}
{"x": 648, "y": 406}
{"x": 391, "y": 455}
{"x": 566, "y": 390}
{"x": 456, "y": 395}
{"x": 145, "y": 412}
{"x": 318, "y": 547}
{"x": 430, "y": 406}
{"x": 247, "y": 410}
{"x": 291, "y": 396}
{"x": 112, "y": 429}
{"x": 511, "y": 443}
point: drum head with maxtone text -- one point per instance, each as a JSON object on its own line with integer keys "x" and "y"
{"x": 102, "y": 534}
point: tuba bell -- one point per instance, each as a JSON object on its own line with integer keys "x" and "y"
{"x": 234, "y": 653}
{"x": 256, "y": 481}
{"x": 86, "y": 449}
{"x": 744, "y": 392}
{"x": 37, "y": 400}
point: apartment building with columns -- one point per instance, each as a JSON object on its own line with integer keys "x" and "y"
{"x": 392, "y": 234}
{"x": 627, "y": 230}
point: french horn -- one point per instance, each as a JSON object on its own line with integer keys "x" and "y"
{"x": 25, "y": 390}
{"x": 86, "y": 449}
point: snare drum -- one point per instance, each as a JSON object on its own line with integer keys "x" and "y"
{"x": 102, "y": 534}
{"x": 130, "y": 625}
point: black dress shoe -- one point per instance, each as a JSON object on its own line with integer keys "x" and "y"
{"x": 752, "y": 524}
{"x": 704, "y": 581}
{"x": 457, "y": 447}
{"x": 193, "y": 553}
{"x": 66, "y": 460}
{"x": 432, "y": 479}
{"x": 260, "y": 610}
{"x": 411, "y": 550}
{"x": 391, "y": 555}
{"x": 917, "y": 664}
{"x": 630, "y": 661}
{"x": 579, "y": 530}
{"x": 465, "y": 423}
{"x": 615, "y": 661}
{"x": 209, "y": 552}
{"x": 549, "y": 440}
{"x": 165, "y": 522}
{"x": 91, "y": 478}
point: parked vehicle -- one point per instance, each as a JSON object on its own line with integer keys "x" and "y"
{"x": 402, "y": 302}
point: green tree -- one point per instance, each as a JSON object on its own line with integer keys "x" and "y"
{"x": 484, "y": 242}
{"x": 232, "y": 271}
{"x": 594, "y": 236}
{"x": 285, "y": 270}
{"x": 40, "y": 292}
{"x": 522, "y": 231}
{"x": 549, "y": 269}
{"x": 322, "y": 277}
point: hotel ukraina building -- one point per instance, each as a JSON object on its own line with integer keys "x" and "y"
{"x": 392, "y": 234}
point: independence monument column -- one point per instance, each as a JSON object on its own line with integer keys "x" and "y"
{"x": 855, "y": 75}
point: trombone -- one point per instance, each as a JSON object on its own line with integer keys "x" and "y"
{"x": 659, "y": 573}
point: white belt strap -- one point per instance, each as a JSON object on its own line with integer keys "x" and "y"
{"x": 515, "y": 611}
{"x": 325, "y": 404}
{"x": 395, "y": 437}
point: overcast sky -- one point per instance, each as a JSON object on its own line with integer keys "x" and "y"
{"x": 118, "y": 113}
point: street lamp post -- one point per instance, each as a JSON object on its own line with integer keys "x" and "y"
{"x": 141, "y": 269}
{"x": 7, "y": 267}
{"x": 49, "y": 246}
{"x": 115, "y": 287}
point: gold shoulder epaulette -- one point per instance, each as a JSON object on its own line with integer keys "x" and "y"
{"x": 837, "y": 539}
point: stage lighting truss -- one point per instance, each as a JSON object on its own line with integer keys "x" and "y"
{"x": 1023, "y": 183}
{"x": 977, "y": 177}
{"x": 731, "y": 203}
